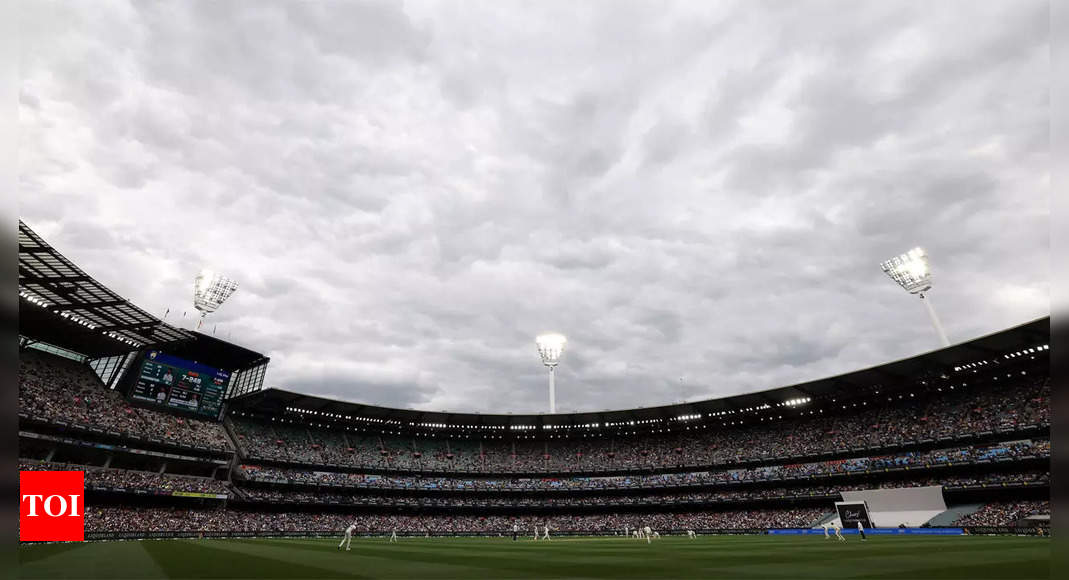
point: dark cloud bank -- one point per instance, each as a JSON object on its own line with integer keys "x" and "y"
{"x": 697, "y": 194}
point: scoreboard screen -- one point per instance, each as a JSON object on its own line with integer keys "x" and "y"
{"x": 176, "y": 383}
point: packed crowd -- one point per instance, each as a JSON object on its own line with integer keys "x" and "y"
{"x": 58, "y": 389}
{"x": 896, "y": 423}
{"x": 128, "y": 519}
{"x": 289, "y": 496}
{"x": 62, "y": 390}
{"x": 1004, "y": 513}
{"x": 769, "y": 473}
{"x": 305, "y": 497}
{"x": 128, "y": 479}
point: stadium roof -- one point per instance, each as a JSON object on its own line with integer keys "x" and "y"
{"x": 62, "y": 305}
{"x": 217, "y": 353}
{"x": 886, "y": 378}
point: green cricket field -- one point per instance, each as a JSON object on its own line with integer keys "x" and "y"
{"x": 716, "y": 557}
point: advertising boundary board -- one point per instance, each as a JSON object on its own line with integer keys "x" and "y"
{"x": 874, "y": 531}
{"x": 337, "y": 533}
{"x": 148, "y": 535}
{"x": 558, "y": 533}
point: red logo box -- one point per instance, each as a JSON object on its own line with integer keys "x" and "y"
{"x": 51, "y": 506}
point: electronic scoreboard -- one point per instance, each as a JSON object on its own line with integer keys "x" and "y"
{"x": 175, "y": 383}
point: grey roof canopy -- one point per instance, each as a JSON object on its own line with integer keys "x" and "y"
{"x": 886, "y": 379}
{"x": 92, "y": 319}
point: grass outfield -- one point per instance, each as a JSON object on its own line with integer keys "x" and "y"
{"x": 706, "y": 557}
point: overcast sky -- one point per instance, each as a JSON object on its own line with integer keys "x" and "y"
{"x": 698, "y": 194}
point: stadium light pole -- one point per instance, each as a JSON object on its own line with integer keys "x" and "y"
{"x": 210, "y": 290}
{"x": 550, "y": 347}
{"x": 912, "y": 272}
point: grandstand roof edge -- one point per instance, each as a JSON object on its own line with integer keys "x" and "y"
{"x": 60, "y": 304}
{"x": 54, "y": 290}
{"x": 275, "y": 399}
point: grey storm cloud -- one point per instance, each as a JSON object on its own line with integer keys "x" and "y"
{"x": 698, "y": 194}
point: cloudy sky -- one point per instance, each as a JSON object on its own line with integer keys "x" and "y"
{"x": 698, "y": 194}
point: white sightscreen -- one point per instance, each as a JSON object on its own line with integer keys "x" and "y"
{"x": 912, "y": 506}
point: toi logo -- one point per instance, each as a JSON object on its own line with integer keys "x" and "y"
{"x": 51, "y": 506}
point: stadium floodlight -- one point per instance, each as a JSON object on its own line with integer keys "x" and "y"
{"x": 550, "y": 348}
{"x": 210, "y": 290}
{"x": 912, "y": 272}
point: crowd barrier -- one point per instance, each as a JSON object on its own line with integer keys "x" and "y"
{"x": 156, "y": 492}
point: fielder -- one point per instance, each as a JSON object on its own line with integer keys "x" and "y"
{"x": 545, "y": 532}
{"x": 839, "y": 532}
{"x": 861, "y": 530}
{"x": 515, "y": 530}
{"x": 393, "y": 536}
{"x": 691, "y": 534}
{"x": 348, "y": 538}
{"x": 826, "y": 527}
{"x": 646, "y": 531}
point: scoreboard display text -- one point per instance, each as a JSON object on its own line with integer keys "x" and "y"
{"x": 176, "y": 383}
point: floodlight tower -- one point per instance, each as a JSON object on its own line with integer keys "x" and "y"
{"x": 210, "y": 290}
{"x": 550, "y": 347}
{"x": 913, "y": 274}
